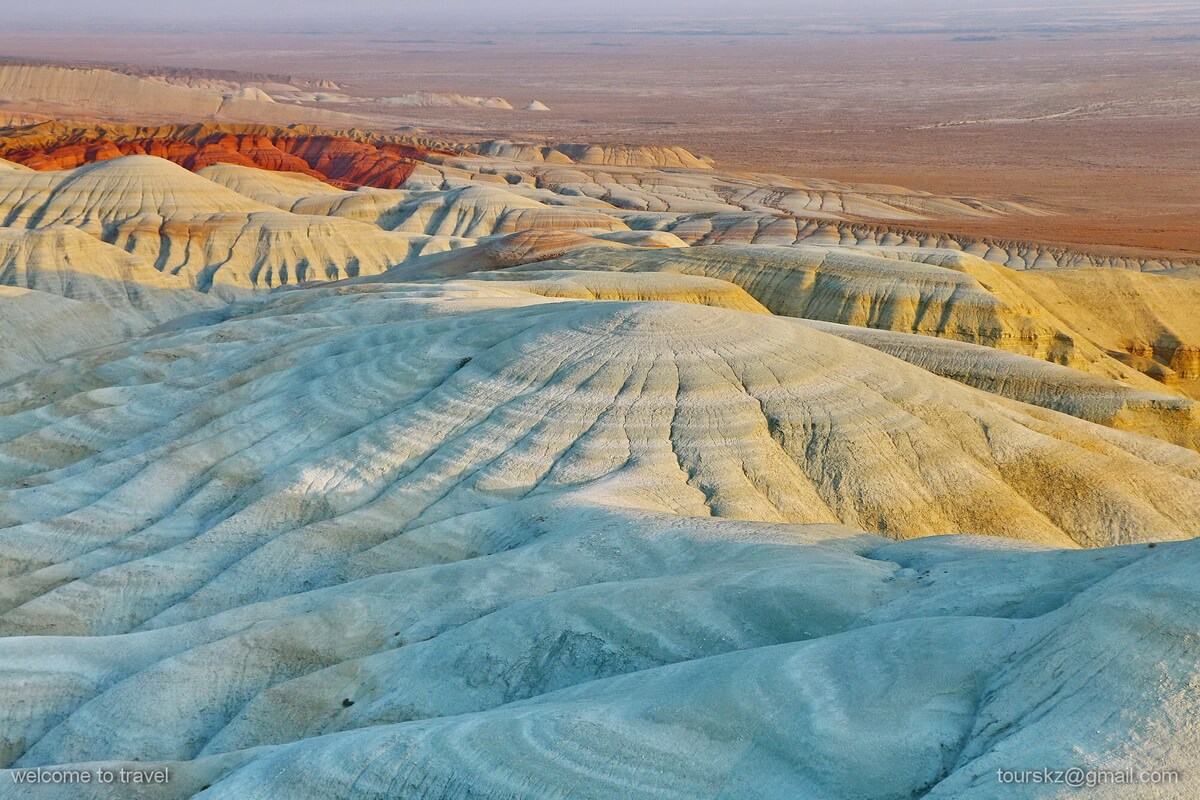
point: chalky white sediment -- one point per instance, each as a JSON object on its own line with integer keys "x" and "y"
{"x": 555, "y": 515}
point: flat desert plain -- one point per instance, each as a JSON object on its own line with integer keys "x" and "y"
{"x": 1091, "y": 108}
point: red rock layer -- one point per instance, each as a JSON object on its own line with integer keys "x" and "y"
{"x": 335, "y": 160}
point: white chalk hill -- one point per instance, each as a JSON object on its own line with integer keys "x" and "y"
{"x": 182, "y": 224}
{"x": 444, "y": 535}
{"x": 573, "y": 510}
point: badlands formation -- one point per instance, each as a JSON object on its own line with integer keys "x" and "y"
{"x": 134, "y": 94}
{"x": 350, "y": 468}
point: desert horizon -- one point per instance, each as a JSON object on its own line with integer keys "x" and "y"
{"x": 984, "y": 101}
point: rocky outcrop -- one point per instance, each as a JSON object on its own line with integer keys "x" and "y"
{"x": 445, "y": 100}
{"x": 612, "y": 155}
{"x": 1107, "y": 402}
{"x": 211, "y": 237}
{"x": 65, "y": 261}
{"x": 121, "y": 96}
{"x": 340, "y": 162}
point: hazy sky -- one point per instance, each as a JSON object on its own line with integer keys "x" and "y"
{"x": 506, "y": 10}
